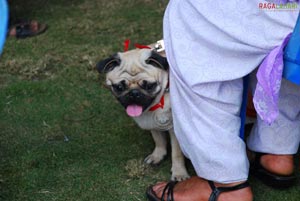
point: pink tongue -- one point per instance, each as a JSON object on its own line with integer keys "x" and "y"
{"x": 134, "y": 110}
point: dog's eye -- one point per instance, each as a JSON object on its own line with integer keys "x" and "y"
{"x": 119, "y": 88}
{"x": 149, "y": 86}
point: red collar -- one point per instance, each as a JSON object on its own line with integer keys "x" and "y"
{"x": 161, "y": 104}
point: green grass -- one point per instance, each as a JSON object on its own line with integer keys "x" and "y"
{"x": 62, "y": 134}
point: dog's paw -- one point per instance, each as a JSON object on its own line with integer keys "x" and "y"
{"x": 179, "y": 175}
{"x": 156, "y": 157}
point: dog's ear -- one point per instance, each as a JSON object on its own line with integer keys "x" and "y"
{"x": 108, "y": 64}
{"x": 158, "y": 61}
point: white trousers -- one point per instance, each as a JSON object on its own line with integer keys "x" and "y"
{"x": 210, "y": 46}
{"x": 207, "y": 123}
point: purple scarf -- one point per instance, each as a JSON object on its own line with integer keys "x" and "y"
{"x": 269, "y": 77}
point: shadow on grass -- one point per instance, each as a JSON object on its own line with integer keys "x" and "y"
{"x": 34, "y": 9}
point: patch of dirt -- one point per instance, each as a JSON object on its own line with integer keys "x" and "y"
{"x": 33, "y": 70}
{"x": 136, "y": 168}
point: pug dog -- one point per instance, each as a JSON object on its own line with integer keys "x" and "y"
{"x": 139, "y": 80}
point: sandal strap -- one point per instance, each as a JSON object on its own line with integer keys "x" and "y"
{"x": 169, "y": 187}
{"x": 217, "y": 190}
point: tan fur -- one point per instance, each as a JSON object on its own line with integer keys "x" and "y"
{"x": 133, "y": 69}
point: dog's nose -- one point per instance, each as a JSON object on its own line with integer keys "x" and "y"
{"x": 135, "y": 94}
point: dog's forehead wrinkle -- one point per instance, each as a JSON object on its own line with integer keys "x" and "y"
{"x": 132, "y": 68}
{"x": 136, "y": 55}
{"x": 134, "y": 61}
{"x": 115, "y": 78}
{"x": 120, "y": 80}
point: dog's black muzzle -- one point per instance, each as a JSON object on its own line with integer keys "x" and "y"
{"x": 136, "y": 97}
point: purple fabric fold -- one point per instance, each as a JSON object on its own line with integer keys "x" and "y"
{"x": 269, "y": 76}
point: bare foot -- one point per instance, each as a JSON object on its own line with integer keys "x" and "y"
{"x": 198, "y": 189}
{"x": 278, "y": 164}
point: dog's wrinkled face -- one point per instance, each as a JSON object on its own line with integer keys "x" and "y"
{"x": 136, "y": 78}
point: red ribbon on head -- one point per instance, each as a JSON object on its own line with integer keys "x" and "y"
{"x": 126, "y": 45}
{"x": 139, "y": 46}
